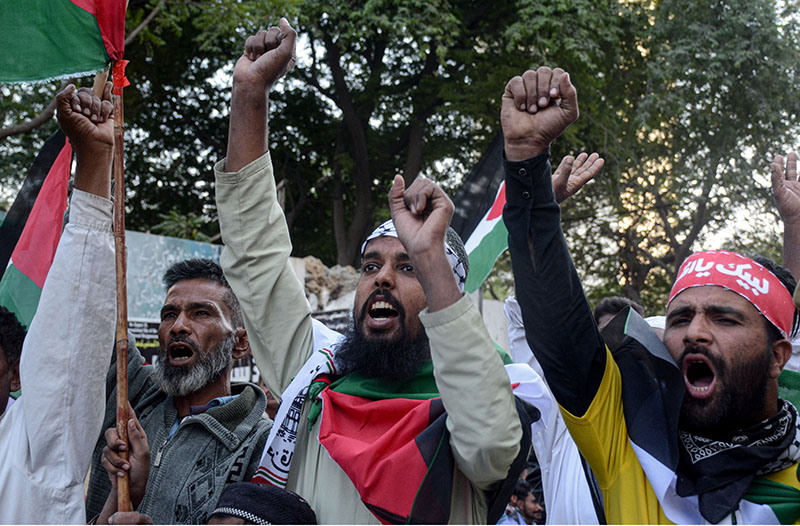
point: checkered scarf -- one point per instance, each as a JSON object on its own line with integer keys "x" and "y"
{"x": 720, "y": 472}
{"x": 453, "y": 247}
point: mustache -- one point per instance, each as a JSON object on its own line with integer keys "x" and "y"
{"x": 718, "y": 364}
{"x": 182, "y": 339}
{"x": 384, "y": 293}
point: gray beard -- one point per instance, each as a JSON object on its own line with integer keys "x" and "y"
{"x": 182, "y": 381}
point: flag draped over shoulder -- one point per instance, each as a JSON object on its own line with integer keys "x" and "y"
{"x": 478, "y": 215}
{"x": 33, "y": 227}
{"x": 50, "y": 39}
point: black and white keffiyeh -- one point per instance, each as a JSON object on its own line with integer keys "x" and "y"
{"x": 453, "y": 247}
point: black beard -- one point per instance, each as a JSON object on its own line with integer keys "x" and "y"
{"x": 739, "y": 402}
{"x": 397, "y": 359}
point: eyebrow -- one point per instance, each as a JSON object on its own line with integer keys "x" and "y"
{"x": 402, "y": 256}
{"x": 169, "y": 307}
{"x": 711, "y": 309}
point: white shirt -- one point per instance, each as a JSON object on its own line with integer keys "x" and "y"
{"x": 48, "y": 434}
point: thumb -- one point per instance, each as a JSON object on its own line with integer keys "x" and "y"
{"x": 397, "y": 202}
{"x": 287, "y": 46}
{"x": 776, "y": 174}
{"x": 569, "y": 98}
{"x": 64, "y": 99}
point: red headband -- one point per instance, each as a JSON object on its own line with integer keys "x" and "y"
{"x": 743, "y": 276}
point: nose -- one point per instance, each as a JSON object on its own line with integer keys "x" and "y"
{"x": 698, "y": 330}
{"x": 181, "y": 325}
{"x": 385, "y": 278}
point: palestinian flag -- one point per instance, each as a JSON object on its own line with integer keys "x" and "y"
{"x": 401, "y": 463}
{"x": 478, "y": 215}
{"x": 33, "y": 227}
{"x": 50, "y": 39}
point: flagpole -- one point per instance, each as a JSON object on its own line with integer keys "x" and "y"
{"x": 123, "y": 483}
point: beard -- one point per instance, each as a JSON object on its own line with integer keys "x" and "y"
{"x": 398, "y": 358}
{"x": 741, "y": 396}
{"x": 182, "y": 380}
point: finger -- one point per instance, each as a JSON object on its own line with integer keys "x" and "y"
{"x": 569, "y": 97}
{"x": 561, "y": 175}
{"x": 397, "y": 202}
{"x": 290, "y": 34}
{"x": 95, "y": 109}
{"x": 287, "y": 46}
{"x": 579, "y": 161}
{"x": 85, "y": 96}
{"x": 776, "y": 175}
{"x": 515, "y": 90}
{"x": 593, "y": 165}
{"x": 529, "y": 84}
{"x": 555, "y": 82}
{"x": 137, "y": 435}
{"x": 272, "y": 39}
{"x": 64, "y": 99}
{"x": 543, "y": 76}
{"x": 791, "y": 166}
{"x": 113, "y": 439}
{"x": 114, "y": 463}
{"x": 254, "y": 45}
{"x": 421, "y": 192}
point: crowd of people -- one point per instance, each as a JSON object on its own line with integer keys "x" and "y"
{"x": 413, "y": 414}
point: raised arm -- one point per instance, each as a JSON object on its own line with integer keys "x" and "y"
{"x": 537, "y": 108}
{"x": 786, "y": 192}
{"x": 257, "y": 245}
{"x": 67, "y": 350}
{"x": 485, "y": 431}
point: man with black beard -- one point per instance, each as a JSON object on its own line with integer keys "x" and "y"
{"x": 688, "y": 431}
{"x": 412, "y": 419}
{"x": 203, "y": 431}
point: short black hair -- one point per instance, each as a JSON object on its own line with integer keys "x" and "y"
{"x": 203, "y": 268}
{"x": 788, "y": 281}
{"x": 12, "y": 334}
{"x": 613, "y": 304}
{"x": 522, "y": 489}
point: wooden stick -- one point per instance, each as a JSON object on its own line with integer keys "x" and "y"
{"x": 123, "y": 484}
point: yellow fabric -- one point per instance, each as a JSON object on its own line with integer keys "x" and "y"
{"x": 603, "y": 440}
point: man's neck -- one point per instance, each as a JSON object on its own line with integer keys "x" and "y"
{"x": 216, "y": 389}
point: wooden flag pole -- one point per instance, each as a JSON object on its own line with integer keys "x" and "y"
{"x": 123, "y": 484}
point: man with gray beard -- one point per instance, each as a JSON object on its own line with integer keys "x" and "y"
{"x": 203, "y": 432}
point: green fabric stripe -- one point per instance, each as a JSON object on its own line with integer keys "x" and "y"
{"x": 44, "y": 39}
{"x": 482, "y": 258}
{"x": 19, "y": 294}
{"x": 789, "y": 386}
{"x": 784, "y": 500}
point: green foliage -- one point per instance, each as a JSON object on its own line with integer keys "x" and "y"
{"x": 685, "y": 100}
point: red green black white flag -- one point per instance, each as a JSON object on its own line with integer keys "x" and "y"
{"x": 33, "y": 227}
{"x": 478, "y": 215}
{"x": 50, "y": 39}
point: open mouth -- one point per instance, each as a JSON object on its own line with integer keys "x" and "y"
{"x": 699, "y": 375}
{"x": 381, "y": 310}
{"x": 382, "y": 313}
{"x": 179, "y": 353}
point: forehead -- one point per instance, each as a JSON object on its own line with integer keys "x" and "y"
{"x": 196, "y": 290}
{"x": 699, "y": 298}
{"x": 385, "y": 247}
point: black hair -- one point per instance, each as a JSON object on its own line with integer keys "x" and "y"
{"x": 201, "y": 268}
{"x": 613, "y": 304}
{"x": 522, "y": 489}
{"x": 12, "y": 334}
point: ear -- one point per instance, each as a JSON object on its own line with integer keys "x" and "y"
{"x": 241, "y": 344}
{"x": 781, "y": 352}
{"x": 15, "y": 383}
